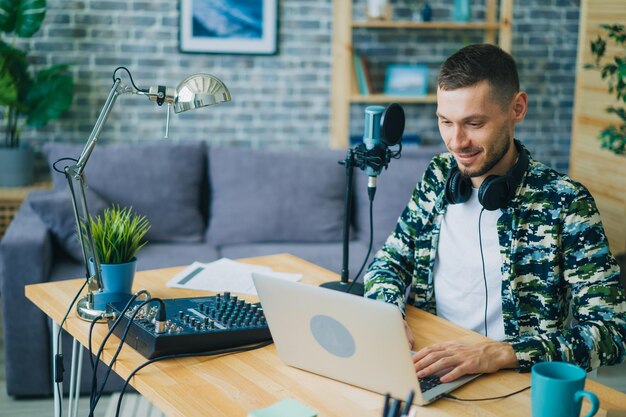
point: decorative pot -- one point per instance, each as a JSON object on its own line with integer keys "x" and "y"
{"x": 16, "y": 167}
{"x": 117, "y": 283}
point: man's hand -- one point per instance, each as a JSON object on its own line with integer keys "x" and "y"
{"x": 409, "y": 335}
{"x": 463, "y": 359}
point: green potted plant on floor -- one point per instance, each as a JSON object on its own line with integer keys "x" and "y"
{"x": 28, "y": 98}
{"x": 118, "y": 235}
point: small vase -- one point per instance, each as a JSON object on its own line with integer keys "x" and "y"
{"x": 427, "y": 12}
{"x": 117, "y": 283}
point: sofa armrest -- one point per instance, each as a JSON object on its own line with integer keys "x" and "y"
{"x": 25, "y": 251}
{"x": 25, "y": 258}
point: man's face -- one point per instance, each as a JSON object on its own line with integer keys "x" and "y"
{"x": 477, "y": 130}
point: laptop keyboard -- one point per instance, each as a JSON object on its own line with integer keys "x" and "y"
{"x": 429, "y": 382}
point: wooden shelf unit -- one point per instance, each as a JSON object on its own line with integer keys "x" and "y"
{"x": 497, "y": 30}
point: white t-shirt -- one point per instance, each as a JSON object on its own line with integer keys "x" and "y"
{"x": 458, "y": 273}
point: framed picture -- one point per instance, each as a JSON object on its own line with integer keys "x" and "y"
{"x": 228, "y": 26}
{"x": 406, "y": 80}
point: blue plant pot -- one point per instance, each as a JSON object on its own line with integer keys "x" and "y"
{"x": 117, "y": 283}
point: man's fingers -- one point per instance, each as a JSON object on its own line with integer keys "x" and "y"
{"x": 433, "y": 363}
{"x": 438, "y": 366}
{"x": 453, "y": 375}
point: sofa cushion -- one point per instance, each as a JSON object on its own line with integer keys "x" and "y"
{"x": 275, "y": 196}
{"x": 56, "y": 210}
{"x": 393, "y": 192}
{"x": 162, "y": 181}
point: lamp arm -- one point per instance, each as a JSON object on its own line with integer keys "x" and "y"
{"x": 76, "y": 182}
{"x": 117, "y": 89}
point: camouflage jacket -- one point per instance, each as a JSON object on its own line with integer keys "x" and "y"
{"x": 561, "y": 295}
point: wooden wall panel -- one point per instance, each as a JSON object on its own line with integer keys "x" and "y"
{"x": 601, "y": 171}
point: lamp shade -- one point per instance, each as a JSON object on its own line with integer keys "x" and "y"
{"x": 200, "y": 90}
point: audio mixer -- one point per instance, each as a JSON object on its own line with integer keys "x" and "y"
{"x": 197, "y": 324}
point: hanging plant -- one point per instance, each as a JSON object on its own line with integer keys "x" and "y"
{"x": 614, "y": 73}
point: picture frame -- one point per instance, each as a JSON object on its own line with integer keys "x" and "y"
{"x": 228, "y": 26}
{"x": 406, "y": 80}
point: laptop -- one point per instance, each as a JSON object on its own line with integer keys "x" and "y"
{"x": 351, "y": 339}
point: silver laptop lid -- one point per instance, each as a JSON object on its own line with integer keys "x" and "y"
{"x": 341, "y": 336}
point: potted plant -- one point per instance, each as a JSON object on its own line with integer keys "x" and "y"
{"x": 118, "y": 235}
{"x": 28, "y": 98}
{"x": 613, "y": 72}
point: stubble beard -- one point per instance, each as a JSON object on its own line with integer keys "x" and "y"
{"x": 496, "y": 155}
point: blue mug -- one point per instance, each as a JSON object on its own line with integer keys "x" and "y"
{"x": 556, "y": 390}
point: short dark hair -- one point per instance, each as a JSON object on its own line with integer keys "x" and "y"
{"x": 475, "y": 63}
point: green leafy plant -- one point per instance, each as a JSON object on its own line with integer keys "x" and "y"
{"x": 118, "y": 234}
{"x": 614, "y": 73}
{"x": 27, "y": 97}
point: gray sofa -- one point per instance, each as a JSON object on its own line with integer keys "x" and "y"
{"x": 203, "y": 204}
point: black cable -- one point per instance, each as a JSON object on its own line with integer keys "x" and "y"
{"x": 185, "y": 355}
{"x": 54, "y": 166}
{"x": 131, "y": 78}
{"x": 369, "y": 248}
{"x": 119, "y": 348}
{"x": 94, "y": 379}
{"x": 91, "y": 326}
{"x": 452, "y": 397}
{"x": 482, "y": 257}
{"x": 58, "y": 359}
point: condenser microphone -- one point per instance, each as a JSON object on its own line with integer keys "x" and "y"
{"x": 376, "y": 150}
{"x": 383, "y": 128}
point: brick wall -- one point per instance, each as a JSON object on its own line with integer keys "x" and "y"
{"x": 282, "y": 100}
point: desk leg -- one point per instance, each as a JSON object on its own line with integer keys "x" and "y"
{"x": 55, "y": 342}
{"x": 74, "y": 379}
{"x": 79, "y": 366}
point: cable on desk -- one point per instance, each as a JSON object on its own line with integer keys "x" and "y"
{"x": 452, "y": 397}
{"x": 94, "y": 379}
{"x": 91, "y": 326}
{"x": 185, "y": 355}
{"x": 98, "y": 393}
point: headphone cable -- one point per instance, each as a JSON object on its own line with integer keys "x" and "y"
{"x": 482, "y": 258}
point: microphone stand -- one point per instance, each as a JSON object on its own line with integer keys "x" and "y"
{"x": 356, "y": 288}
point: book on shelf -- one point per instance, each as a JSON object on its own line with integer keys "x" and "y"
{"x": 367, "y": 74}
{"x": 360, "y": 74}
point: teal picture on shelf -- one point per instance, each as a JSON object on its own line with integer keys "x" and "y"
{"x": 406, "y": 80}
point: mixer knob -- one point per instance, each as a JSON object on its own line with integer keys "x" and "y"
{"x": 226, "y": 295}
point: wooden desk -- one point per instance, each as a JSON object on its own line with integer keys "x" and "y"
{"x": 234, "y": 384}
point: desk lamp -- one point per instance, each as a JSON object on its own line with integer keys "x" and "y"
{"x": 198, "y": 90}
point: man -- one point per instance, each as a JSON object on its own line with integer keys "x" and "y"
{"x": 533, "y": 271}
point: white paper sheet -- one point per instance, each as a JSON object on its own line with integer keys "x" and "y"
{"x": 223, "y": 275}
